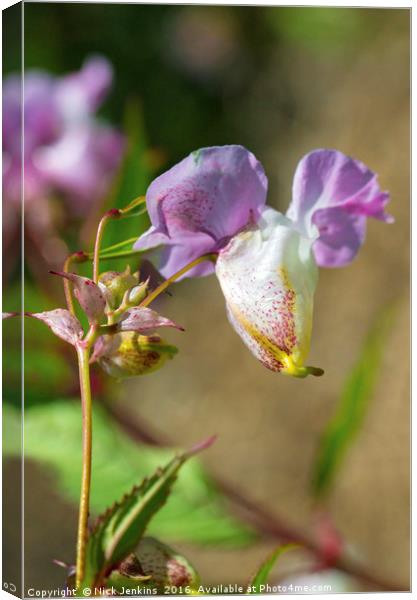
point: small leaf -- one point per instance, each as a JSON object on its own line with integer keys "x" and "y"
{"x": 144, "y": 319}
{"x": 88, "y": 295}
{"x": 62, "y": 323}
{"x": 356, "y": 395}
{"x": 261, "y": 576}
{"x": 118, "y": 531}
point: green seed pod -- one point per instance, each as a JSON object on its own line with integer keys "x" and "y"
{"x": 129, "y": 354}
{"x": 116, "y": 285}
{"x": 166, "y": 567}
{"x": 128, "y": 576}
{"x": 138, "y": 293}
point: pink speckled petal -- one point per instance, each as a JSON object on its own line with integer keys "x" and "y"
{"x": 62, "y": 323}
{"x": 144, "y": 319}
{"x": 169, "y": 258}
{"x": 204, "y": 200}
{"x": 333, "y": 195}
{"x": 268, "y": 277}
{"x": 88, "y": 294}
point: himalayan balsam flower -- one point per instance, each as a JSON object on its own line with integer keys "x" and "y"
{"x": 214, "y": 201}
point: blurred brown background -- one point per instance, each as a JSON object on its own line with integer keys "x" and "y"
{"x": 282, "y": 82}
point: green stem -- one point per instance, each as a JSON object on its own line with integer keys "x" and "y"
{"x": 86, "y": 403}
{"x": 127, "y": 242}
{"x": 125, "y": 254}
{"x": 151, "y": 297}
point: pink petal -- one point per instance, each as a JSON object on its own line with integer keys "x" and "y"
{"x": 62, "y": 323}
{"x": 88, "y": 295}
{"x": 197, "y": 205}
{"x": 142, "y": 319}
{"x": 333, "y": 196}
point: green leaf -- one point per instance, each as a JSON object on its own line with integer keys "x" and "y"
{"x": 261, "y": 576}
{"x": 354, "y": 401}
{"x": 118, "y": 531}
{"x": 195, "y": 512}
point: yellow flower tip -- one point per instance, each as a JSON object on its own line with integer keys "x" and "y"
{"x": 316, "y": 371}
{"x": 301, "y": 372}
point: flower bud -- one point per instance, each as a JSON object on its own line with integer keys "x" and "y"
{"x": 166, "y": 566}
{"x": 129, "y": 354}
{"x": 138, "y": 293}
{"x": 116, "y": 285}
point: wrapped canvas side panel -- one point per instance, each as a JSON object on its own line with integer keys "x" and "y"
{"x": 12, "y": 301}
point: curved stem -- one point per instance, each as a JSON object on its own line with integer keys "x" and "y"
{"x": 72, "y": 258}
{"x": 86, "y": 403}
{"x": 151, "y": 297}
{"x": 133, "y": 204}
{"x": 111, "y": 214}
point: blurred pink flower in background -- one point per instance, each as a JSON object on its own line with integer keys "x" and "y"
{"x": 65, "y": 151}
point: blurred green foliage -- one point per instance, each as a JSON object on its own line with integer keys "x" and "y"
{"x": 322, "y": 29}
{"x": 47, "y": 371}
{"x": 352, "y": 408}
{"x": 188, "y": 97}
{"x": 52, "y": 434}
{"x": 134, "y": 177}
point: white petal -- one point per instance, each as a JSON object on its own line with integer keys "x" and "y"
{"x": 268, "y": 277}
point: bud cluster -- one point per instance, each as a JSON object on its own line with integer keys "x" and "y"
{"x": 130, "y": 351}
{"x": 121, "y": 329}
{"x": 122, "y": 290}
